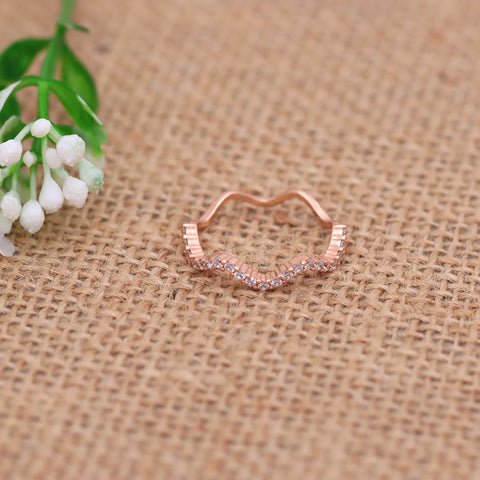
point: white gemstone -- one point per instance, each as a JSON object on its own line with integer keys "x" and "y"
{"x": 217, "y": 263}
{"x": 251, "y": 281}
{"x": 287, "y": 274}
{"x": 310, "y": 264}
{"x": 320, "y": 266}
{"x": 207, "y": 264}
{"x": 297, "y": 268}
{"x": 240, "y": 275}
{"x": 263, "y": 286}
{"x": 276, "y": 282}
{"x": 230, "y": 267}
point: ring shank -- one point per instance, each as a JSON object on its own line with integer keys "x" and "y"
{"x": 318, "y": 211}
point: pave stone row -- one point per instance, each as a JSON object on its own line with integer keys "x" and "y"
{"x": 297, "y": 266}
{"x": 305, "y": 266}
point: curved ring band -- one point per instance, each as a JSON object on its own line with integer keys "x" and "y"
{"x": 300, "y": 264}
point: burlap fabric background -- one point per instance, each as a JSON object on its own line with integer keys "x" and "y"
{"x": 118, "y": 361}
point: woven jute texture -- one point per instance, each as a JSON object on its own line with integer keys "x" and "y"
{"x": 118, "y": 361}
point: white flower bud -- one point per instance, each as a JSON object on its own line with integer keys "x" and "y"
{"x": 5, "y": 225}
{"x": 41, "y": 128}
{"x": 70, "y": 149}
{"x": 51, "y": 158}
{"x": 11, "y": 206}
{"x": 29, "y": 158}
{"x": 32, "y": 216}
{"x": 75, "y": 192}
{"x": 51, "y": 196}
{"x": 91, "y": 175}
{"x": 10, "y": 152}
{"x": 7, "y": 249}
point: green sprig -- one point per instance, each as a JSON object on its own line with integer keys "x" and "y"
{"x": 17, "y": 58}
{"x": 75, "y": 146}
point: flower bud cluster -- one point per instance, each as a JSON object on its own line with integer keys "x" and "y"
{"x": 58, "y": 154}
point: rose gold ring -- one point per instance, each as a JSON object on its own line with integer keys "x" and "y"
{"x": 298, "y": 265}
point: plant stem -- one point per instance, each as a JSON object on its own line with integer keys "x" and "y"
{"x": 21, "y": 134}
{"x": 66, "y": 11}
{"x": 51, "y": 58}
{"x": 46, "y": 168}
{"x": 15, "y": 179}
{"x": 33, "y": 182}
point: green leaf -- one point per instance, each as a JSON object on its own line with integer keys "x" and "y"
{"x": 17, "y": 58}
{"x": 11, "y": 108}
{"x": 67, "y": 130}
{"x": 82, "y": 115}
{"x": 7, "y": 92}
{"x": 78, "y": 78}
{"x": 10, "y": 128}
